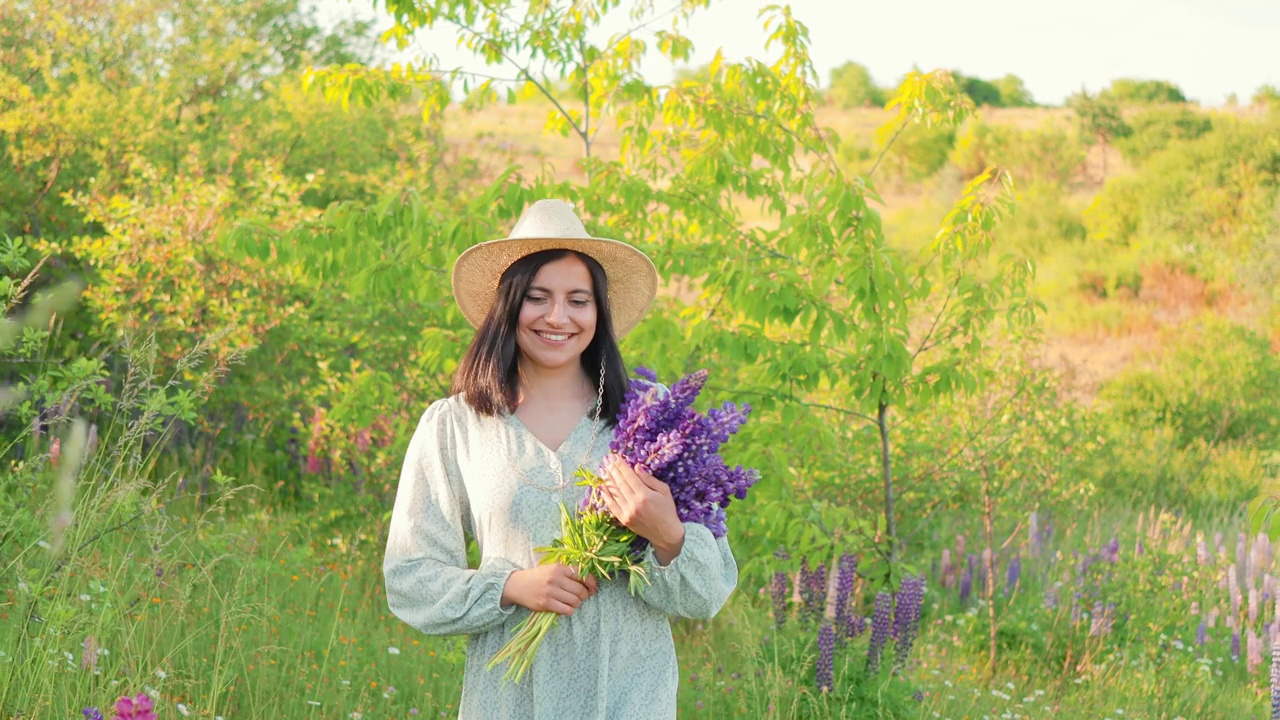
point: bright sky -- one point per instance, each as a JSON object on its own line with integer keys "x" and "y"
{"x": 1209, "y": 48}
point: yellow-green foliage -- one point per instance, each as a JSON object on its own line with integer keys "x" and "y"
{"x": 1047, "y": 154}
{"x": 1207, "y": 203}
{"x": 1193, "y": 424}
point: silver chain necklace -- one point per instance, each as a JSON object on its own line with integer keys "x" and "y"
{"x": 595, "y": 430}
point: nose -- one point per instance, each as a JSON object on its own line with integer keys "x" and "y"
{"x": 557, "y": 313}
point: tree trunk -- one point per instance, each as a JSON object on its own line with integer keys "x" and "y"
{"x": 988, "y": 527}
{"x": 886, "y": 466}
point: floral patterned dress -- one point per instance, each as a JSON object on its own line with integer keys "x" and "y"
{"x": 465, "y": 475}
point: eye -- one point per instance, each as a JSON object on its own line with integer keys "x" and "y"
{"x": 579, "y": 303}
{"x": 534, "y": 298}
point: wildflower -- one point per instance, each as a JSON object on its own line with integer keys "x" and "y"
{"x": 1201, "y": 634}
{"x": 856, "y": 625}
{"x": 881, "y": 618}
{"x": 844, "y": 589}
{"x": 1253, "y": 651}
{"x": 826, "y": 650}
{"x": 183, "y": 709}
{"x": 1235, "y": 646}
{"x": 93, "y": 713}
{"x": 779, "y": 588}
{"x": 139, "y": 707}
{"x": 1275, "y": 681}
{"x": 966, "y": 584}
{"x": 907, "y": 616}
{"x": 1014, "y": 572}
{"x": 393, "y": 650}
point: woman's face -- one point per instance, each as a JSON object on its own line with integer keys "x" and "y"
{"x": 558, "y": 314}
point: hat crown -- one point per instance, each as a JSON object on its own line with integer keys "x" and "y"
{"x": 549, "y": 219}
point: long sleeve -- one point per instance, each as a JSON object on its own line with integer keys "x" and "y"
{"x": 698, "y": 581}
{"x": 429, "y": 585}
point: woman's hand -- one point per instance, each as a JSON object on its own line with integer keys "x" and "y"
{"x": 555, "y": 588}
{"x": 644, "y": 505}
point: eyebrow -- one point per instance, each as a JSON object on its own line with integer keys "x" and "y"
{"x": 582, "y": 291}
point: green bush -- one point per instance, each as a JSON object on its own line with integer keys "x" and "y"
{"x": 852, "y": 86}
{"x": 1047, "y": 154}
{"x": 1190, "y": 427}
{"x": 1129, "y": 91}
{"x": 1156, "y": 128}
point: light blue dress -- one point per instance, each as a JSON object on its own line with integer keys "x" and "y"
{"x": 614, "y": 657}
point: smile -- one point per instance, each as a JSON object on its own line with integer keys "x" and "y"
{"x": 555, "y": 337}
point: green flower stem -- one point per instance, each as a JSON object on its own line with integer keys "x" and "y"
{"x": 592, "y": 543}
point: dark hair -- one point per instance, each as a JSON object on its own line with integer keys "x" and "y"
{"x": 489, "y": 371}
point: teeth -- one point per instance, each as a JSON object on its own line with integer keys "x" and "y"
{"x": 557, "y": 338}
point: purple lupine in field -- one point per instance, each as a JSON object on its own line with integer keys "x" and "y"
{"x": 826, "y": 656}
{"x": 1202, "y": 552}
{"x": 906, "y": 618}
{"x": 947, "y": 574}
{"x": 881, "y": 619}
{"x": 140, "y": 707}
{"x": 1253, "y": 651}
{"x": 966, "y": 584}
{"x": 1235, "y": 646}
{"x": 1013, "y": 574}
{"x": 1112, "y": 554}
{"x": 804, "y": 585}
{"x": 779, "y": 588}
{"x": 819, "y": 580}
{"x": 856, "y": 625}
{"x": 848, "y": 568}
{"x": 1051, "y": 597}
{"x": 1275, "y": 682}
{"x": 91, "y": 713}
{"x": 1139, "y": 549}
{"x": 1202, "y": 633}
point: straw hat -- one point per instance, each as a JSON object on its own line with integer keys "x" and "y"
{"x": 547, "y": 225}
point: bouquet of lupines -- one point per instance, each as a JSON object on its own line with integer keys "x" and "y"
{"x": 664, "y": 435}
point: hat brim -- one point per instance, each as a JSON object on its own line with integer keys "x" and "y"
{"x": 633, "y": 279}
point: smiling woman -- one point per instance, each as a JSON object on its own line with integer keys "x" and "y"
{"x": 539, "y": 385}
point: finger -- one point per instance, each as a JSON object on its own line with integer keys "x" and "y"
{"x": 570, "y": 596}
{"x": 592, "y": 584}
{"x": 610, "y": 502}
{"x": 625, "y": 479}
{"x": 652, "y": 482}
{"x": 560, "y": 608}
{"x": 578, "y": 589}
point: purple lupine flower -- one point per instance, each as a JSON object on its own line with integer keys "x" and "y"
{"x": 1202, "y": 633}
{"x": 1235, "y": 646}
{"x": 826, "y": 656}
{"x": 779, "y": 588}
{"x": 966, "y": 584}
{"x": 947, "y": 573}
{"x": 92, "y": 713}
{"x": 881, "y": 619}
{"x": 1139, "y": 549}
{"x": 844, "y": 588}
{"x": 663, "y": 434}
{"x": 1275, "y": 681}
{"x": 1051, "y": 598}
{"x": 906, "y": 620}
{"x": 855, "y": 625}
{"x": 1113, "y": 551}
{"x": 1013, "y": 574}
{"x": 1253, "y": 651}
{"x": 818, "y": 592}
{"x": 140, "y": 707}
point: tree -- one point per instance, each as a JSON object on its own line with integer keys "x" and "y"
{"x": 982, "y": 92}
{"x": 1128, "y": 91}
{"x": 1100, "y": 121}
{"x": 1013, "y": 93}
{"x": 806, "y": 311}
{"x": 852, "y": 86}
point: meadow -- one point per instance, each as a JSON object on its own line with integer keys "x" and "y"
{"x": 1024, "y": 358}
